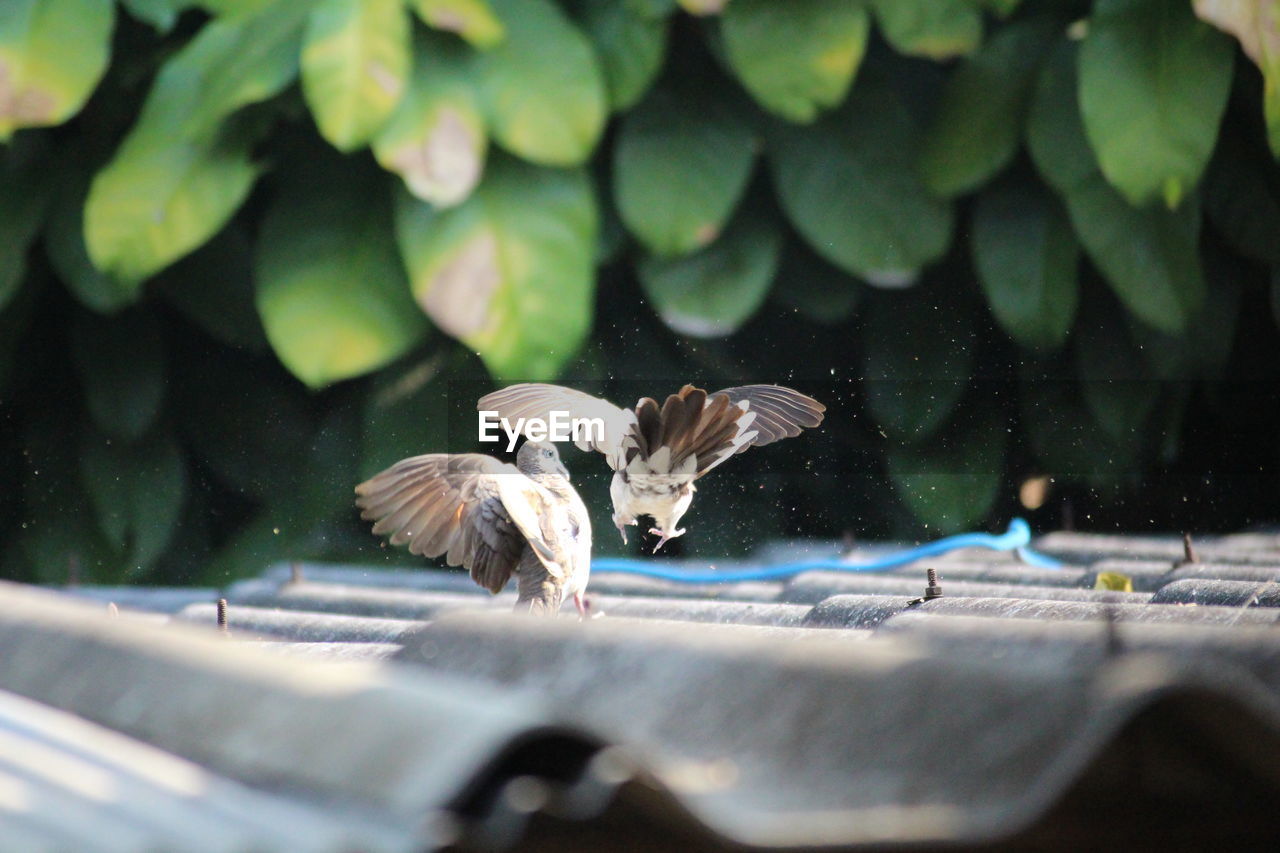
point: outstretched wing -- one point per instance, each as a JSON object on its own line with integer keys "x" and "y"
{"x": 780, "y": 412}
{"x": 538, "y": 400}
{"x": 478, "y": 512}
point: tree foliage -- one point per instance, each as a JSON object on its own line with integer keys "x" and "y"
{"x": 253, "y": 249}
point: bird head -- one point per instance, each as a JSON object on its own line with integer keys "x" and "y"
{"x": 540, "y": 457}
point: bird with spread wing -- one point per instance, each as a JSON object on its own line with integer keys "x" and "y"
{"x": 658, "y": 451}
{"x": 491, "y": 517}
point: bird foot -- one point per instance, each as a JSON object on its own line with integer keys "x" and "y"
{"x": 664, "y": 536}
{"x": 585, "y": 610}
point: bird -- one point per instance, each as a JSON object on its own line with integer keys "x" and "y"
{"x": 493, "y": 518}
{"x": 657, "y": 452}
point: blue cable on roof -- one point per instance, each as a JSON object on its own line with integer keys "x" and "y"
{"x": 1016, "y": 538}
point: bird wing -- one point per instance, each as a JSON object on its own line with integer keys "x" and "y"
{"x": 709, "y": 428}
{"x": 780, "y": 412}
{"x": 476, "y": 511}
{"x": 538, "y": 400}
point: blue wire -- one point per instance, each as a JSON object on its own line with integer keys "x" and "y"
{"x": 1016, "y": 538}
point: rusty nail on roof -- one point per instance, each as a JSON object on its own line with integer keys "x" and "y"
{"x": 1189, "y": 554}
{"x": 295, "y": 572}
{"x": 112, "y": 610}
{"x": 222, "y": 615}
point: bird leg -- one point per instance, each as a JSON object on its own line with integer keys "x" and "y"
{"x": 584, "y": 608}
{"x": 665, "y": 536}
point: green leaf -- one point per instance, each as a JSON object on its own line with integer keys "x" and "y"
{"x": 816, "y": 290}
{"x": 355, "y": 64}
{"x": 509, "y": 272}
{"x": 796, "y": 58}
{"x": 630, "y": 46}
{"x": 172, "y": 184}
{"x": 213, "y": 288}
{"x": 137, "y": 490}
{"x": 680, "y": 165}
{"x": 1027, "y": 258}
{"x": 407, "y": 413}
{"x": 952, "y": 483}
{"x": 331, "y": 291}
{"x": 1153, "y": 86}
{"x": 849, "y": 185}
{"x": 1065, "y": 437}
{"x": 25, "y": 190}
{"x": 1114, "y": 382}
{"x": 161, "y": 15}
{"x": 542, "y": 89}
{"x": 436, "y": 138}
{"x": 1242, "y": 197}
{"x": 1149, "y": 256}
{"x": 52, "y": 55}
{"x": 978, "y": 126}
{"x": 711, "y": 293}
{"x": 916, "y": 364}
{"x": 472, "y": 19}
{"x": 1256, "y": 23}
{"x": 934, "y": 29}
{"x": 121, "y": 363}
{"x": 65, "y": 247}
{"x": 703, "y": 8}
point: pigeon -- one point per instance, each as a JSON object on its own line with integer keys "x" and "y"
{"x": 657, "y": 452}
{"x": 491, "y": 517}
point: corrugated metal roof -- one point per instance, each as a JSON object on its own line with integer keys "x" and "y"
{"x": 364, "y": 708}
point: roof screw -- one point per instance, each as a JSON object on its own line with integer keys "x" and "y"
{"x": 932, "y": 591}
{"x": 222, "y": 615}
{"x": 1189, "y": 554}
{"x": 295, "y": 572}
{"x": 113, "y": 612}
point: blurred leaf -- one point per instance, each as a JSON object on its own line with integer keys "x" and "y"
{"x": 1153, "y": 86}
{"x": 161, "y": 15}
{"x": 52, "y": 55}
{"x": 1066, "y": 438}
{"x": 121, "y": 363}
{"x": 64, "y": 244}
{"x": 1114, "y": 382}
{"x": 406, "y": 413}
{"x": 818, "y": 291}
{"x": 848, "y": 184}
{"x": 1113, "y": 581}
{"x": 711, "y": 293}
{"x": 59, "y": 534}
{"x": 472, "y": 19}
{"x": 796, "y": 58}
{"x": 509, "y": 272}
{"x": 213, "y": 288}
{"x": 1242, "y": 198}
{"x": 15, "y": 320}
{"x": 171, "y": 185}
{"x": 951, "y": 484}
{"x": 436, "y": 138}
{"x": 542, "y": 89}
{"x": 680, "y": 165}
{"x": 1204, "y": 348}
{"x": 702, "y": 8}
{"x": 1148, "y": 256}
{"x": 137, "y": 490}
{"x": 934, "y": 29}
{"x": 1027, "y": 261}
{"x": 25, "y": 190}
{"x": 917, "y": 361}
{"x": 331, "y": 291}
{"x": 630, "y": 46}
{"x": 248, "y": 425}
{"x": 978, "y": 125}
{"x": 1000, "y": 8}
{"x": 1256, "y": 23}
{"x": 355, "y": 63}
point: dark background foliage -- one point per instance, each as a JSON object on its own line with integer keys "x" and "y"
{"x": 1028, "y": 254}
